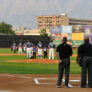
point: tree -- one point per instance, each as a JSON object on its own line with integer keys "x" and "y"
{"x": 6, "y": 29}
{"x": 43, "y": 32}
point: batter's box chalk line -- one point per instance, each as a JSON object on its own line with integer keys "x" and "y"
{"x": 16, "y": 76}
{"x": 5, "y": 91}
{"x": 36, "y": 80}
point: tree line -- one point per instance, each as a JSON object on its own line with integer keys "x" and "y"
{"x": 6, "y": 29}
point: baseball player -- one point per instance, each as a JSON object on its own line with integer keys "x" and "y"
{"x": 20, "y": 48}
{"x": 28, "y": 49}
{"x": 51, "y": 49}
{"x": 14, "y": 47}
{"x": 39, "y": 50}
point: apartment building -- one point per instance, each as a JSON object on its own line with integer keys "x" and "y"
{"x": 54, "y": 20}
{"x": 73, "y": 21}
{"x": 59, "y": 20}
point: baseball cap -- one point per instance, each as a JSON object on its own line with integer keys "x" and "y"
{"x": 64, "y": 39}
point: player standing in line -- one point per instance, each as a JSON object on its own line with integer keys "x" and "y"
{"x": 45, "y": 52}
{"x": 28, "y": 49}
{"x": 24, "y": 47}
{"x": 51, "y": 49}
{"x": 34, "y": 52}
{"x": 31, "y": 50}
{"x": 14, "y": 47}
{"x": 39, "y": 46}
{"x": 20, "y": 48}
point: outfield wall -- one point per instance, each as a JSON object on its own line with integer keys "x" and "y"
{"x": 7, "y": 40}
{"x": 75, "y": 34}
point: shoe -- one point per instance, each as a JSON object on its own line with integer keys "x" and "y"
{"x": 67, "y": 87}
{"x": 83, "y": 87}
{"x": 57, "y": 86}
{"x": 89, "y": 86}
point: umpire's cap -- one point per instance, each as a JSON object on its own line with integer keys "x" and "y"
{"x": 64, "y": 39}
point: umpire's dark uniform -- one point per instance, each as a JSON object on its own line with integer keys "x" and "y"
{"x": 85, "y": 51}
{"x": 64, "y": 51}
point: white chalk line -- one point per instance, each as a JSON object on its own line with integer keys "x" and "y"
{"x": 36, "y": 80}
{"x": 5, "y": 91}
{"x": 16, "y": 76}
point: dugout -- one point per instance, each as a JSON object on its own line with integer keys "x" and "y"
{"x": 7, "y": 40}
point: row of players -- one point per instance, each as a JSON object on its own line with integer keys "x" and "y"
{"x": 31, "y": 50}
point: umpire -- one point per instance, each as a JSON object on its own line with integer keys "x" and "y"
{"x": 64, "y": 51}
{"x": 85, "y": 51}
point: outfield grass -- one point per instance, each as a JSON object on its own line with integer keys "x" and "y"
{"x": 30, "y": 68}
{"x": 4, "y": 58}
{"x": 5, "y": 50}
{"x": 8, "y": 50}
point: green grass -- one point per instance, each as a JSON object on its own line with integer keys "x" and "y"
{"x": 73, "y": 58}
{"x": 5, "y": 50}
{"x": 74, "y": 51}
{"x": 74, "y": 68}
{"x": 27, "y": 68}
{"x": 8, "y": 50}
{"x": 30, "y": 68}
{"x": 4, "y": 58}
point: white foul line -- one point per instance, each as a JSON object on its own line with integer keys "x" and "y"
{"x": 36, "y": 80}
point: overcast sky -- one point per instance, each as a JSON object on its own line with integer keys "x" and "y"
{"x": 23, "y": 12}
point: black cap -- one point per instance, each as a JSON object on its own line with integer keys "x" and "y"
{"x": 64, "y": 39}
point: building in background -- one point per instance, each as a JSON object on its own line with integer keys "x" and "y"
{"x": 46, "y": 22}
{"x": 60, "y": 20}
{"x": 73, "y": 21}
{"x": 52, "y": 21}
{"x": 35, "y": 32}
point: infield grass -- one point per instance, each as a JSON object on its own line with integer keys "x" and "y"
{"x": 31, "y": 68}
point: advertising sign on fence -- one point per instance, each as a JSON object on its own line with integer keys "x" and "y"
{"x": 66, "y": 29}
{"x": 77, "y": 29}
{"x": 77, "y": 42}
{"x": 77, "y": 36}
{"x": 88, "y": 32}
{"x": 69, "y": 36}
{"x": 55, "y": 30}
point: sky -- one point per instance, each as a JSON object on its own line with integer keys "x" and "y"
{"x": 23, "y": 12}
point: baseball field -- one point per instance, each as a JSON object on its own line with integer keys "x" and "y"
{"x": 18, "y": 74}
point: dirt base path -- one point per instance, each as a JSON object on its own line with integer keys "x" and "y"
{"x": 45, "y": 61}
{"x": 23, "y": 54}
{"x": 46, "y": 83}
{"x": 32, "y": 60}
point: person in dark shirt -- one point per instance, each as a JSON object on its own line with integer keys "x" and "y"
{"x": 85, "y": 51}
{"x": 34, "y": 52}
{"x": 45, "y": 52}
{"x": 63, "y": 53}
